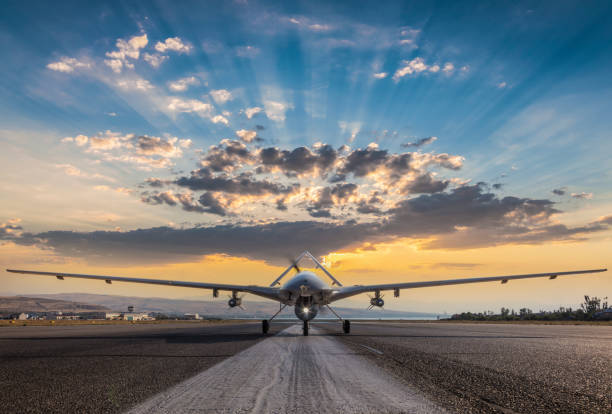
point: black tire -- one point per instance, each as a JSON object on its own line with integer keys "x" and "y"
{"x": 265, "y": 326}
{"x": 305, "y": 328}
{"x": 346, "y": 326}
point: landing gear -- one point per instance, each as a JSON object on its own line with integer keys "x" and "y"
{"x": 265, "y": 324}
{"x": 346, "y": 326}
{"x": 305, "y": 328}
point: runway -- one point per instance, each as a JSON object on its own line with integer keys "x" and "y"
{"x": 289, "y": 373}
{"x": 379, "y": 367}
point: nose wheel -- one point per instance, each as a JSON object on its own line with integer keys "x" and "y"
{"x": 305, "y": 328}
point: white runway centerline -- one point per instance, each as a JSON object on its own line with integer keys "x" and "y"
{"x": 290, "y": 373}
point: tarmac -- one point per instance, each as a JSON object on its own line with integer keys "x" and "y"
{"x": 380, "y": 367}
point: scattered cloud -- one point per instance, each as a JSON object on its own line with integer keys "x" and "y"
{"x": 419, "y": 142}
{"x": 182, "y": 84}
{"x": 143, "y": 151}
{"x": 174, "y": 44}
{"x": 247, "y": 51}
{"x": 127, "y": 50}
{"x": 221, "y": 96}
{"x": 155, "y": 59}
{"x": 380, "y": 75}
{"x": 251, "y": 112}
{"x": 136, "y": 84}
{"x": 202, "y": 109}
{"x": 219, "y": 119}
{"x": 67, "y": 65}
{"x": 306, "y": 23}
{"x": 10, "y": 229}
{"x": 582, "y": 196}
{"x": 75, "y": 172}
{"x": 276, "y": 110}
{"x": 351, "y": 127}
{"x": 559, "y": 191}
{"x": 418, "y": 65}
{"x": 246, "y": 135}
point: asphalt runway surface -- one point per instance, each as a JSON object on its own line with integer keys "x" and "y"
{"x": 379, "y": 367}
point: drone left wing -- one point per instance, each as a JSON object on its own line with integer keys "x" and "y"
{"x": 266, "y": 292}
{"x": 348, "y": 291}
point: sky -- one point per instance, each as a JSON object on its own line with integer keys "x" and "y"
{"x": 398, "y": 141}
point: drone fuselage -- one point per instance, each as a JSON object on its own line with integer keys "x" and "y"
{"x": 307, "y": 292}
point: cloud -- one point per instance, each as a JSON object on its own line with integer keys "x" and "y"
{"x": 75, "y": 172}
{"x": 205, "y": 179}
{"x": 420, "y": 142}
{"x": 182, "y": 84}
{"x": 306, "y": 23}
{"x": 465, "y": 217}
{"x": 137, "y": 84}
{"x": 174, "y": 44}
{"x": 582, "y": 196}
{"x": 380, "y": 75}
{"x": 203, "y": 109}
{"x": 126, "y": 50}
{"x": 212, "y": 205}
{"x": 219, "y": 119}
{"x": 352, "y": 127}
{"x": 190, "y": 105}
{"x": 276, "y": 110}
{"x": 10, "y": 229}
{"x": 251, "y": 112}
{"x": 246, "y": 135}
{"x": 247, "y": 51}
{"x": 79, "y": 140}
{"x": 300, "y": 160}
{"x": 206, "y": 204}
{"x": 328, "y": 197}
{"x": 502, "y": 85}
{"x": 155, "y": 59}
{"x": 144, "y": 151}
{"x": 426, "y": 184}
{"x": 67, "y": 65}
{"x": 559, "y": 191}
{"x": 221, "y": 96}
{"x": 418, "y": 65}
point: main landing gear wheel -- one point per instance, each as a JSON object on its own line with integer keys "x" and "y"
{"x": 305, "y": 328}
{"x": 265, "y": 326}
{"x": 346, "y": 326}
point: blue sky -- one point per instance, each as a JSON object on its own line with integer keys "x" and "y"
{"x": 100, "y": 100}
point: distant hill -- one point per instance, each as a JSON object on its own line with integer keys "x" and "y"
{"x": 15, "y": 304}
{"x": 218, "y": 308}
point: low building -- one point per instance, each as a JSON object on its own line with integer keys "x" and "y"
{"x": 114, "y": 316}
{"x": 137, "y": 316}
{"x": 22, "y": 316}
{"x": 193, "y": 316}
